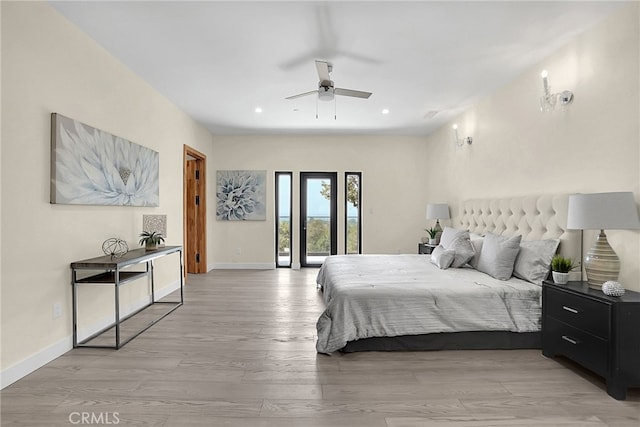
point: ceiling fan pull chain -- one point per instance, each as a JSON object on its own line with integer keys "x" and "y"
{"x": 335, "y": 109}
{"x": 316, "y": 108}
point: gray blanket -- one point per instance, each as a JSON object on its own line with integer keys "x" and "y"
{"x": 391, "y": 295}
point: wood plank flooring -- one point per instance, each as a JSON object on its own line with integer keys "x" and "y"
{"x": 241, "y": 353}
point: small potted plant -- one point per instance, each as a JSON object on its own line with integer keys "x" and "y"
{"x": 433, "y": 235}
{"x": 560, "y": 268}
{"x": 151, "y": 239}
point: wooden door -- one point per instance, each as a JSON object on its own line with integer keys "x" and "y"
{"x": 195, "y": 209}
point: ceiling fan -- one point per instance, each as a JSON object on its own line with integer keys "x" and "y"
{"x": 326, "y": 90}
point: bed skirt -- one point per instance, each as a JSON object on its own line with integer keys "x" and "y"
{"x": 481, "y": 340}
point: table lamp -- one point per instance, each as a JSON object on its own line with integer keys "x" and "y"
{"x": 600, "y": 211}
{"x": 438, "y": 211}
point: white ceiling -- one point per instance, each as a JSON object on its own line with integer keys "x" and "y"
{"x": 218, "y": 61}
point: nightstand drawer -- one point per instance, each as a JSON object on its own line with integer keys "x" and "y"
{"x": 588, "y": 350}
{"x": 579, "y": 312}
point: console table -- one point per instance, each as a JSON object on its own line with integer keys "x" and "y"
{"x": 113, "y": 271}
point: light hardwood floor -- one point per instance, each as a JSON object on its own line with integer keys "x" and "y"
{"x": 241, "y": 352}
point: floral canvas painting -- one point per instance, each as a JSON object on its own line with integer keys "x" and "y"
{"x": 241, "y": 195}
{"x": 92, "y": 167}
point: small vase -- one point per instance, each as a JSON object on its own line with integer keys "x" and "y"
{"x": 560, "y": 278}
{"x": 151, "y": 246}
{"x": 433, "y": 241}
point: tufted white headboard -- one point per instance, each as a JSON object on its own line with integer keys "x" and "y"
{"x": 533, "y": 217}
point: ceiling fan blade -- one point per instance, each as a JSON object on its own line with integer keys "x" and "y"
{"x": 350, "y": 92}
{"x": 300, "y": 95}
{"x": 323, "y": 70}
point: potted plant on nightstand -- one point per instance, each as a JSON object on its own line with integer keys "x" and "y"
{"x": 560, "y": 268}
{"x": 433, "y": 234}
{"x": 151, "y": 239}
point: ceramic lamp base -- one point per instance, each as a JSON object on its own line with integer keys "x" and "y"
{"x": 438, "y": 231}
{"x": 601, "y": 263}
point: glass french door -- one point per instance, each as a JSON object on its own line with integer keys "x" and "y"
{"x": 283, "y": 219}
{"x": 318, "y": 217}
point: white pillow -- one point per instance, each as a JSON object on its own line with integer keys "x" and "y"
{"x": 498, "y": 255}
{"x": 534, "y": 259}
{"x": 442, "y": 257}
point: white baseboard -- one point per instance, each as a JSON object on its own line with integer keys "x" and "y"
{"x": 239, "y": 266}
{"x": 35, "y": 361}
{"x": 57, "y": 349}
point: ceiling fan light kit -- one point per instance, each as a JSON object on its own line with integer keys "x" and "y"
{"x": 325, "y": 93}
{"x": 326, "y": 89}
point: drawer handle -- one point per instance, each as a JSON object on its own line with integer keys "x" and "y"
{"x": 569, "y": 309}
{"x": 571, "y": 340}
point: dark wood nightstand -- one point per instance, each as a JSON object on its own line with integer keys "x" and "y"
{"x": 425, "y": 248}
{"x": 599, "y": 332}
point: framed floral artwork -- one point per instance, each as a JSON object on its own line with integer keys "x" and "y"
{"x": 93, "y": 167}
{"x": 241, "y": 195}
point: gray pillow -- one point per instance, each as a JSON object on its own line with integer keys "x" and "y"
{"x": 534, "y": 259}
{"x": 498, "y": 255}
{"x": 463, "y": 249}
{"x": 449, "y": 234}
{"x": 458, "y": 241}
{"x": 476, "y": 242}
{"x": 442, "y": 257}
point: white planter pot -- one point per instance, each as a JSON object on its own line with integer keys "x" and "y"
{"x": 560, "y": 278}
{"x": 432, "y": 241}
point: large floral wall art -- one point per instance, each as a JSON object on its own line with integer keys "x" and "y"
{"x": 93, "y": 167}
{"x": 241, "y": 195}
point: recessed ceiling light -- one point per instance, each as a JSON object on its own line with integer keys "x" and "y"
{"x": 258, "y": 110}
{"x": 385, "y": 111}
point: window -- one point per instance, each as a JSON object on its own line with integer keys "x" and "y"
{"x": 283, "y": 219}
{"x": 353, "y": 217}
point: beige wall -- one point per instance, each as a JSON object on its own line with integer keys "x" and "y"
{"x": 48, "y": 66}
{"x": 593, "y": 146}
{"x": 393, "y": 174}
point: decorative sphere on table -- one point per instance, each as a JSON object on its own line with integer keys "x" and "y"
{"x": 115, "y": 247}
{"x": 613, "y": 289}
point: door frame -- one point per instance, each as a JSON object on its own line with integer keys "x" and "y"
{"x": 200, "y": 238}
{"x": 333, "y": 227}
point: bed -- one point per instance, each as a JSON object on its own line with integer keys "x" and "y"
{"x": 408, "y": 302}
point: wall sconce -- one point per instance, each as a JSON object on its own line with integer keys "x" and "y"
{"x": 549, "y": 100}
{"x": 460, "y": 142}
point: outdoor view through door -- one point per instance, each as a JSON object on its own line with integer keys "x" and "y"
{"x": 318, "y": 212}
{"x": 283, "y": 219}
{"x": 353, "y": 223}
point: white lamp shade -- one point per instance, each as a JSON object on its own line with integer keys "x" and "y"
{"x": 438, "y": 211}
{"x": 602, "y": 211}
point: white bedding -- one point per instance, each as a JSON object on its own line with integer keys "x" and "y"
{"x": 391, "y": 295}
